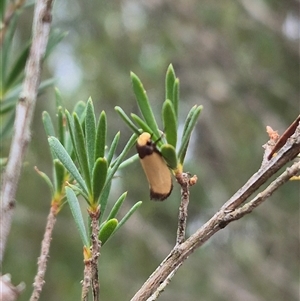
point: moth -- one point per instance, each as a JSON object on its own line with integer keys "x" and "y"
{"x": 155, "y": 167}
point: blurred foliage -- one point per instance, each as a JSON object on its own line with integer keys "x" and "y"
{"x": 240, "y": 60}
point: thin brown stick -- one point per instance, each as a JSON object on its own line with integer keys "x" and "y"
{"x": 261, "y": 197}
{"x": 42, "y": 261}
{"x": 24, "y": 113}
{"x": 95, "y": 253}
{"x": 86, "y": 282}
{"x": 226, "y": 214}
{"x": 183, "y": 180}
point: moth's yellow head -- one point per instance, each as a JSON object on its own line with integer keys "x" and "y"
{"x": 143, "y": 139}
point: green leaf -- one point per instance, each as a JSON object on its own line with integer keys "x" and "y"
{"x": 143, "y": 103}
{"x": 176, "y": 96}
{"x": 101, "y": 136}
{"x": 169, "y": 154}
{"x": 81, "y": 151}
{"x": 170, "y": 122}
{"x": 114, "y": 211}
{"x": 11, "y": 98}
{"x": 104, "y": 199}
{"x": 6, "y": 46}
{"x": 59, "y": 179}
{"x": 120, "y": 158}
{"x": 113, "y": 148}
{"x": 112, "y": 170}
{"x": 2, "y": 9}
{"x": 79, "y": 109}
{"x": 8, "y": 105}
{"x": 17, "y": 71}
{"x": 7, "y": 125}
{"x": 107, "y": 230}
{"x": 187, "y": 131}
{"x": 129, "y": 161}
{"x": 54, "y": 38}
{"x": 46, "y": 179}
{"x": 142, "y": 124}
{"x": 90, "y": 133}
{"x": 99, "y": 177}
{"x": 48, "y": 125}
{"x": 128, "y": 214}
{"x": 71, "y": 127}
{"x": 61, "y": 125}
{"x": 66, "y": 160}
{"x": 58, "y": 98}
{"x": 170, "y": 80}
{"x": 76, "y": 212}
{"x": 127, "y": 120}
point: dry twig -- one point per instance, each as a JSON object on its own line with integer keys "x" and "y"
{"x": 229, "y": 212}
{"x": 42, "y": 261}
{"x": 24, "y": 113}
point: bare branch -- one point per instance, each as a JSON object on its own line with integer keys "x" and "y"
{"x": 95, "y": 253}
{"x": 227, "y": 213}
{"x": 42, "y": 261}
{"x": 183, "y": 180}
{"x": 261, "y": 197}
{"x": 24, "y": 113}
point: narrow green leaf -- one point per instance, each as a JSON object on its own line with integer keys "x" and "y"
{"x": 7, "y": 105}
{"x": 170, "y": 80}
{"x": 101, "y": 136}
{"x": 127, "y": 120}
{"x": 17, "y": 70}
{"x": 48, "y": 124}
{"x": 104, "y": 199}
{"x": 176, "y": 97}
{"x": 66, "y": 160}
{"x": 170, "y": 122}
{"x": 6, "y": 46}
{"x": 114, "y": 211}
{"x": 81, "y": 150}
{"x": 113, "y": 147}
{"x": 142, "y": 124}
{"x": 61, "y": 121}
{"x": 188, "y": 118}
{"x": 99, "y": 177}
{"x": 59, "y": 179}
{"x": 90, "y": 133}
{"x": 129, "y": 161}
{"x": 46, "y": 179}
{"x": 107, "y": 230}
{"x": 71, "y": 128}
{"x": 112, "y": 170}
{"x": 2, "y": 10}
{"x": 131, "y": 142}
{"x": 76, "y": 212}
{"x": 54, "y": 38}
{"x": 7, "y": 125}
{"x": 58, "y": 98}
{"x": 79, "y": 109}
{"x": 128, "y": 214}
{"x": 187, "y": 131}
{"x": 143, "y": 103}
{"x": 169, "y": 153}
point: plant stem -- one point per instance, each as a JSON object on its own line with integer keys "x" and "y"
{"x": 42, "y": 261}
{"x": 229, "y": 212}
{"x": 183, "y": 180}
{"x": 24, "y": 114}
{"x": 95, "y": 253}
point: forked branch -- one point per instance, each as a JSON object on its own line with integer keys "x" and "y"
{"x": 229, "y": 212}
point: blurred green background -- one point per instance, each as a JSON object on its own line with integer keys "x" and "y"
{"x": 240, "y": 60}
